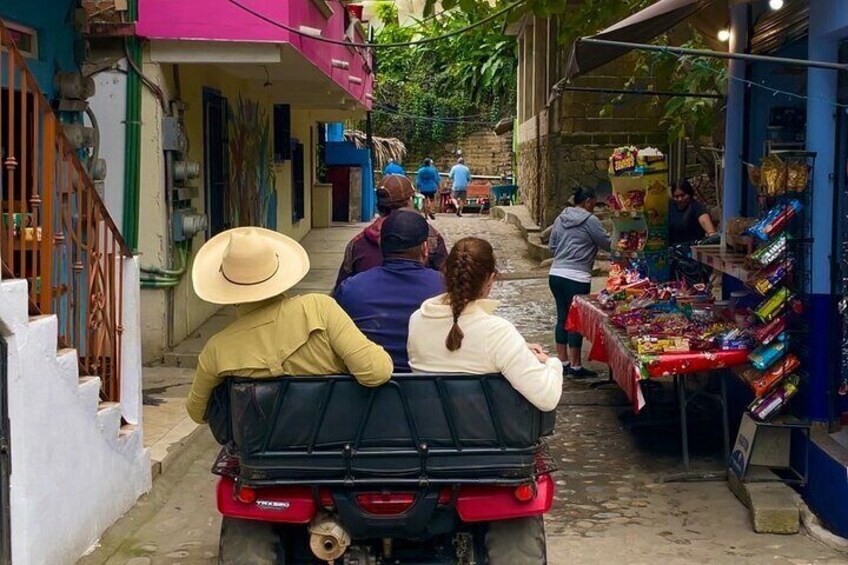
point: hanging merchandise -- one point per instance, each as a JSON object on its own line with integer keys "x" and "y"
{"x": 764, "y": 408}
{"x": 767, "y": 279}
{"x": 766, "y": 355}
{"x": 775, "y": 220}
{"x": 639, "y": 212}
{"x": 766, "y": 255}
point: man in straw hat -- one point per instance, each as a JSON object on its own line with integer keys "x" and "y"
{"x": 274, "y": 335}
{"x": 381, "y": 300}
{"x": 363, "y": 251}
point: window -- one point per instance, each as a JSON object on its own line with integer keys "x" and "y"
{"x": 298, "y": 171}
{"x": 25, "y": 38}
{"x": 282, "y": 132}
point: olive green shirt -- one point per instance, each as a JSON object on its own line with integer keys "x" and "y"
{"x": 305, "y": 335}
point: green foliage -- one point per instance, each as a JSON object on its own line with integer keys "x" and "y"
{"x": 684, "y": 117}
{"x": 471, "y": 75}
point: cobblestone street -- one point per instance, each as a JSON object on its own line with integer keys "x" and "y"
{"x": 611, "y": 504}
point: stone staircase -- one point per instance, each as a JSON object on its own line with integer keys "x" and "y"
{"x": 77, "y": 466}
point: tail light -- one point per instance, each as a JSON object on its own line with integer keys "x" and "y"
{"x": 445, "y": 496}
{"x": 525, "y": 493}
{"x": 385, "y": 503}
{"x": 246, "y": 495}
{"x": 325, "y": 498}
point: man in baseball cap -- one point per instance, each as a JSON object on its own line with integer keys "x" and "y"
{"x": 363, "y": 251}
{"x": 381, "y": 300}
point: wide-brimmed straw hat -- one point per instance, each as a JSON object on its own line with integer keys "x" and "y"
{"x": 243, "y": 265}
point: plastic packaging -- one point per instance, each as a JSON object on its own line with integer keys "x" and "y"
{"x": 766, "y": 355}
{"x": 771, "y": 331}
{"x": 775, "y": 220}
{"x": 772, "y": 306}
{"x": 764, "y": 408}
{"x": 768, "y": 254}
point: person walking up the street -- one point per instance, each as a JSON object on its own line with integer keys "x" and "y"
{"x": 461, "y": 176}
{"x": 576, "y": 237}
{"x": 363, "y": 251}
{"x": 393, "y": 168}
{"x": 427, "y": 180}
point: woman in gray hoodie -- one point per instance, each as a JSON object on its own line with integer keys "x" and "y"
{"x": 576, "y": 237}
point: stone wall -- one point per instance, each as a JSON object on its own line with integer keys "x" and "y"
{"x": 485, "y": 154}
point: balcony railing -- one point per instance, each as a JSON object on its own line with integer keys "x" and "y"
{"x": 55, "y": 231}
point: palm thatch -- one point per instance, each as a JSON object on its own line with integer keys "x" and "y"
{"x": 385, "y": 148}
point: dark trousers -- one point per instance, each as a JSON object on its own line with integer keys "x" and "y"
{"x": 564, "y": 291}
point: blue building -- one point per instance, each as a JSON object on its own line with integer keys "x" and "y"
{"x": 816, "y": 99}
{"x": 787, "y": 92}
{"x": 351, "y": 172}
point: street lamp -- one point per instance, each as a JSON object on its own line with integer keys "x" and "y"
{"x": 776, "y": 4}
{"x": 724, "y": 35}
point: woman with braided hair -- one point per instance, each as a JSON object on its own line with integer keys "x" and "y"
{"x": 457, "y": 332}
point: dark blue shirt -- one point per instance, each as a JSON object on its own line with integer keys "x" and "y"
{"x": 381, "y": 301}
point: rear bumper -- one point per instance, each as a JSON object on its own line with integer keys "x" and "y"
{"x": 472, "y": 503}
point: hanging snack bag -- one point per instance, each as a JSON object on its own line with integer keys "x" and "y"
{"x": 772, "y": 306}
{"x": 766, "y": 355}
{"x": 771, "y": 331}
{"x": 768, "y": 254}
{"x": 774, "y": 174}
{"x": 764, "y": 281}
{"x": 797, "y": 177}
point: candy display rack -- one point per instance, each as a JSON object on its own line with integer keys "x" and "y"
{"x": 639, "y": 210}
{"x": 780, "y": 281}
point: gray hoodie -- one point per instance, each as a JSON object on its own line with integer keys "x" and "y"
{"x": 575, "y": 239}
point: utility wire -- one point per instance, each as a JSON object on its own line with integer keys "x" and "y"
{"x": 445, "y": 120}
{"x": 290, "y": 29}
{"x": 379, "y": 108}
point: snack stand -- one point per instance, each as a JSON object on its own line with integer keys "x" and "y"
{"x": 643, "y": 327}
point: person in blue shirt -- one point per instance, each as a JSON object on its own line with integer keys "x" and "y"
{"x": 381, "y": 300}
{"x": 393, "y": 168}
{"x": 461, "y": 176}
{"x": 427, "y": 180}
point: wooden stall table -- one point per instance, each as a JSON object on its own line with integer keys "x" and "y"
{"x": 628, "y": 369}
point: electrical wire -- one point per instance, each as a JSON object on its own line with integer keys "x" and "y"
{"x": 152, "y": 86}
{"x": 423, "y": 41}
{"x": 390, "y": 108}
{"x": 445, "y": 120}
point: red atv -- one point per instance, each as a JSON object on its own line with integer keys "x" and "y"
{"x": 427, "y": 469}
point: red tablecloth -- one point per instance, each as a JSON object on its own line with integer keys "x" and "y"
{"x": 611, "y": 346}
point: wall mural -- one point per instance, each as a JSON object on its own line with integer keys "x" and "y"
{"x": 251, "y": 198}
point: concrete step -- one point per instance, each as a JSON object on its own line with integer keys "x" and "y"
{"x": 68, "y": 365}
{"x": 109, "y": 420}
{"x": 44, "y": 329}
{"x": 774, "y": 507}
{"x": 89, "y": 393}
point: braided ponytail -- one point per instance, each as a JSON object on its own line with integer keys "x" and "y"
{"x": 468, "y": 268}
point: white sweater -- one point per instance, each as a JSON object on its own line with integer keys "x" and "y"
{"x": 491, "y": 345}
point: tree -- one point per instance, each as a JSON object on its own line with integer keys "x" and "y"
{"x": 435, "y": 93}
{"x": 683, "y": 116}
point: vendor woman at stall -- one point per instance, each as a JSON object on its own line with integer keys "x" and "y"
{"x": 576, "y": 237}
{"x": 688, "y": 219}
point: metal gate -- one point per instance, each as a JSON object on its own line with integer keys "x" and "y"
{"x": 5, "y": 461}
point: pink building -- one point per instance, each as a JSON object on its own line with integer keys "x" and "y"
{"x": 225, "y": 21}
{"x": 243, "y": 101}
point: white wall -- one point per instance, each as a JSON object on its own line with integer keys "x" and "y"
{"x": 109, "y": 105}
{"x": 73, "y": 474}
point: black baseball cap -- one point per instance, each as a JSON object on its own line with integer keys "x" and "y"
{"x": 402, "y": 230}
